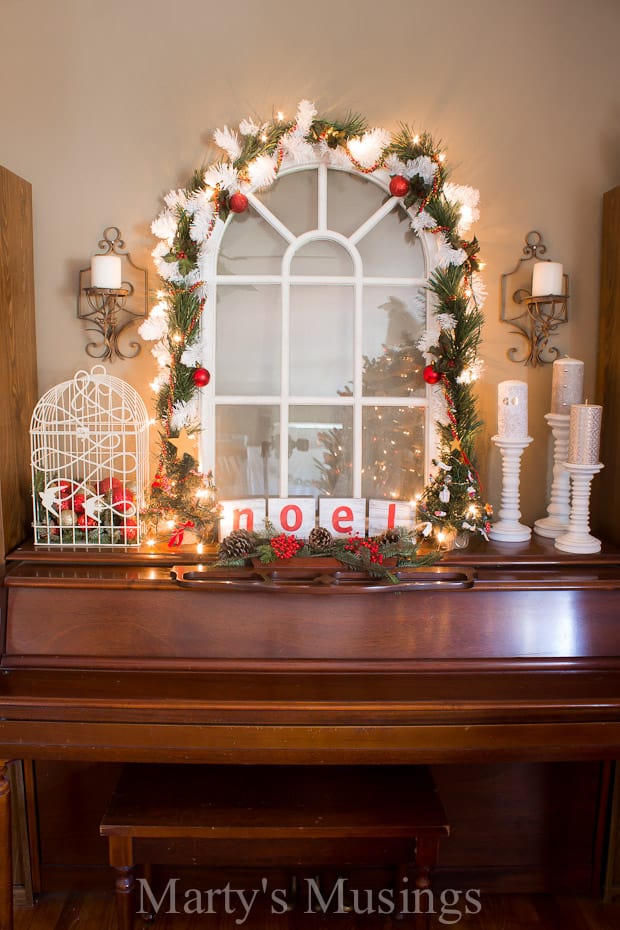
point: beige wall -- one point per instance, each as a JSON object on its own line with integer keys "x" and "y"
{"x": 106, "y": 106}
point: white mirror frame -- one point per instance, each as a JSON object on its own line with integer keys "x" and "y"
{"x": 430, "y": 247}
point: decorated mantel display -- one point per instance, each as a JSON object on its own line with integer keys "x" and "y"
{"x": 411, "y": 168}
{"x": 89, "y": 459}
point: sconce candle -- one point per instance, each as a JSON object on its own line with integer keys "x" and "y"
{"x": 105, "y": 272}
{"x": 547, "y": 278}
{"x": 512, "y": 410}
{"x": 584, "y": 434}
{"x": 566, "y": 385}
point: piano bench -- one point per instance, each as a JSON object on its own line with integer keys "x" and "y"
{"x": 279, "y": 815}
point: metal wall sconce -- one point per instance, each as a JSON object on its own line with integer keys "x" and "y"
{"x": 103, "y": 297}
{"x": 543, "y": 312}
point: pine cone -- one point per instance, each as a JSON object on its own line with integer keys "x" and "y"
{"x": 236, "y": 545}
{"x": 389, "y": 538}
{"x": 320, "y": 538}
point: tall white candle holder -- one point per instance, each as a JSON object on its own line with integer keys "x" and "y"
{"x": 508, "y": 528}
{"x": 558, "y": 511}
{"x": 578, "y": 538}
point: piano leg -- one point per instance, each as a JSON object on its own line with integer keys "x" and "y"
{"x": 6, "y": 863}
{"x": 421, "y": 895}
{"x": 121, "y": 859}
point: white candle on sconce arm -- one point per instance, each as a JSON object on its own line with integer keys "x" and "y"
{"x": 512, "y": 410}
{"x": 547, "y": 279}
{"x": 566, "y": 385}
{"x": 584, "y": 435}
{"x": 106, "y": 272}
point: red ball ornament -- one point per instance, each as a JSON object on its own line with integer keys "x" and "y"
{"x": 78, "y": 503}
{"x": 109, "y": 484}
{"x": 64, "y": 490}
{"x": 238, "y": 202}
{"x": 129, "y": 530}
{"x": 431, "y": 375}
{"x": 123, "y": 500}
{"x": 399, "y": 186}
{"x": 201, "y": 377}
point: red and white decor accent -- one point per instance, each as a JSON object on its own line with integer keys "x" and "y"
{"x": 89, "y": 457}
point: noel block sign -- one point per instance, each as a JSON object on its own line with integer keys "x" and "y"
{"x": 342, "y": 516}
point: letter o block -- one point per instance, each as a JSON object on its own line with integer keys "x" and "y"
{"x": 292, "y": 515}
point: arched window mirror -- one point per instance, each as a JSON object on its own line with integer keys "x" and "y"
{"x": 319, "y": 296}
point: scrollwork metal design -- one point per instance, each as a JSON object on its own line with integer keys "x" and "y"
{"x": 541, "y": 316}
{"x": 107, "y": 310}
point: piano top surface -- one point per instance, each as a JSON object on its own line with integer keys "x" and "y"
{"x": 539, "y": 551}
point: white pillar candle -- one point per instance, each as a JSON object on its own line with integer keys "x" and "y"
{"x": 566, "y": 385}
{"x": 547, "y": 278}
{"x": 584, "y": 435}
{"x": 512, "y": 410}
{"x": 105, "y": 271}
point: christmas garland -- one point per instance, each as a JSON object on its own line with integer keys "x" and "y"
{"x": 412, "y": 167}
{"x": 378, "y": 556}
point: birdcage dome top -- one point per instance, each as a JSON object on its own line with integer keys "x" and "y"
{"x": 93, "y": 399}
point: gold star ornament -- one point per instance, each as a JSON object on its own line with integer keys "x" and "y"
{"x": 185, "y": 444}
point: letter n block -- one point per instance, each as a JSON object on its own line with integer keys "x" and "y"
{"x": 248, "y": 514}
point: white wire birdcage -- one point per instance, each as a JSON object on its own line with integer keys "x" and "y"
{"x": 89, "y": 456}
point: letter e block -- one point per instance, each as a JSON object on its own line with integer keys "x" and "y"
{"x": 343, "y": 516}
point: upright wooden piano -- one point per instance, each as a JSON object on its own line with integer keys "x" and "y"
{"x": 498, "y": 653}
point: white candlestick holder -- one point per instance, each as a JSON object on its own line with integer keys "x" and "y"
{"x": 578, "y": 538}
{"x": 558, "y": 511}
{"x": 508, "y": 528}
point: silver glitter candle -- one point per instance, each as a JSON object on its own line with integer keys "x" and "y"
{"x": 584, "y": 434}
{"x": 512, "y": 410}
{"x": 567, "y": 384}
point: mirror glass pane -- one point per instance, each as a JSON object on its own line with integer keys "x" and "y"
{"x": 293, "y": 198}
{"x": 250, "y": 246}
{"x": 244, "y": 463}
{"x": 351, "y": 200}
{"x": 394, "y": 320}
{"x": 321, "y": 341}
{"x": 248, "y": 330}
{"x": 393, "y": 452}
{"x": 320, "y": 443}
{"x": 322, "y": 257}
{"x": 392, "y": 249}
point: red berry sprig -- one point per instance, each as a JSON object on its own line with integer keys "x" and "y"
{"x": 285, "y": 547}
{"x": 364, "y": 548}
